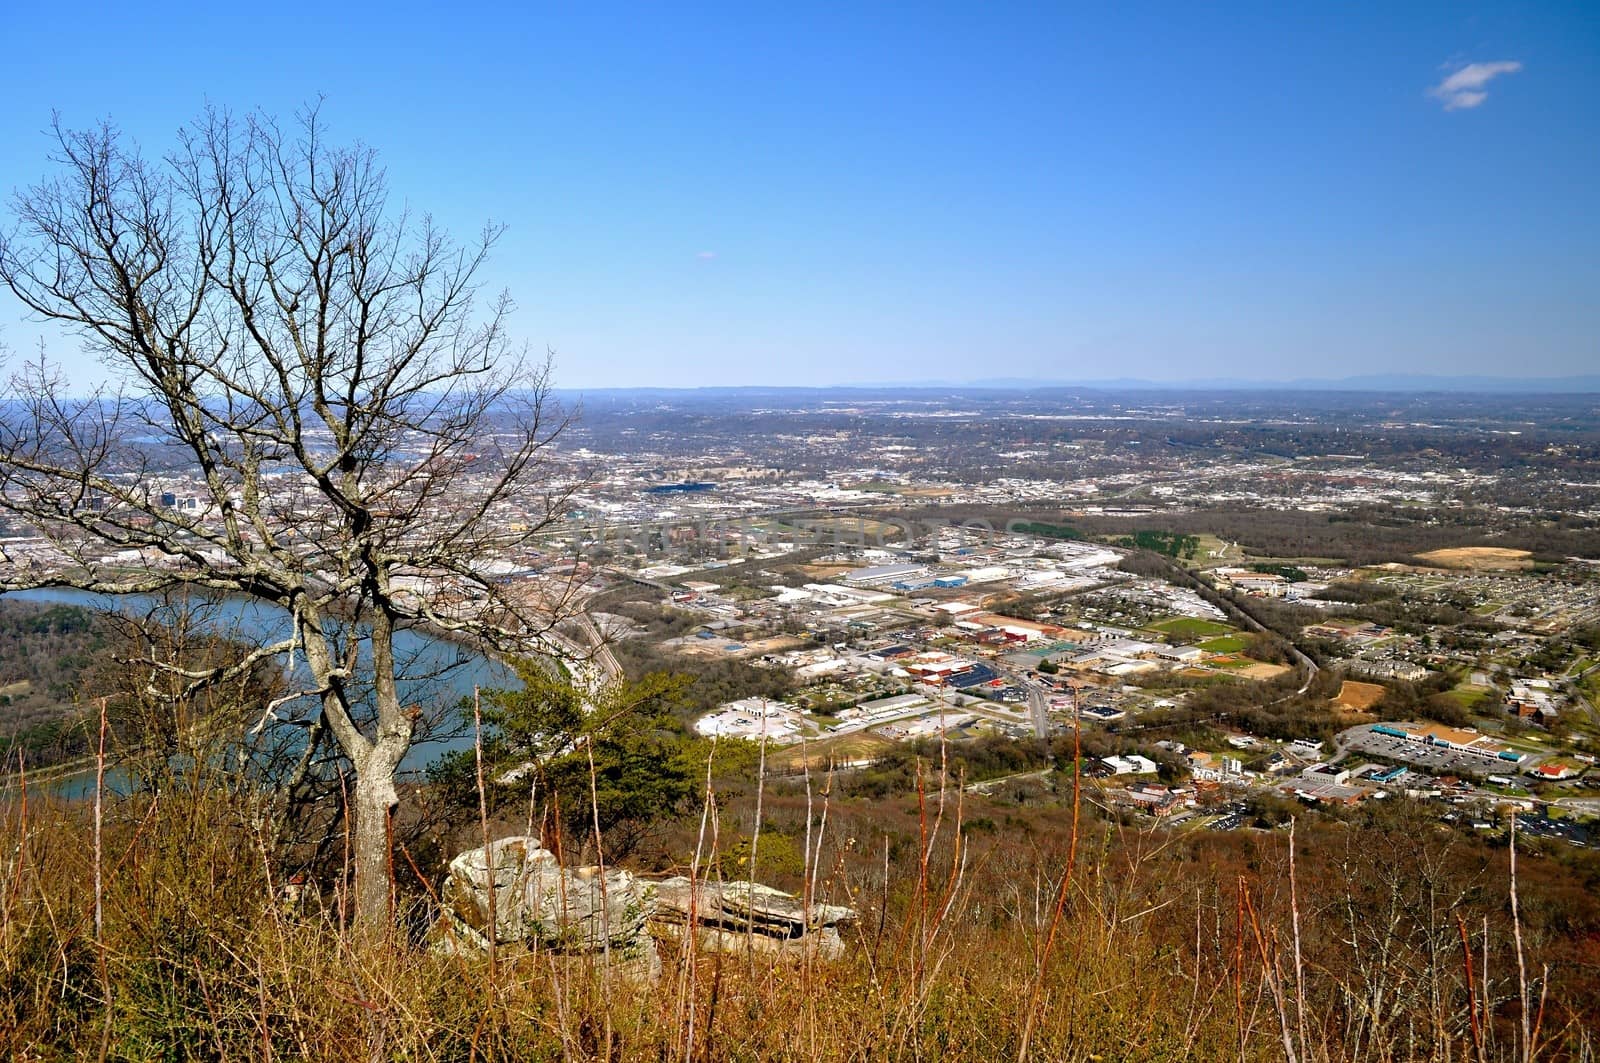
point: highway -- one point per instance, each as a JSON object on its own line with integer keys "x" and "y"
{"x": 592, "y": 666}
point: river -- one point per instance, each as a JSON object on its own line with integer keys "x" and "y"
{"x": 434, "y": 669}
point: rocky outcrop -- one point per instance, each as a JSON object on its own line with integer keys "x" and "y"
{"x": 734, "y": 916}
{"x": 540, "y": 905}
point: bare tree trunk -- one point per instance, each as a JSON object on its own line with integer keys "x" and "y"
{"x": 375, "y": 777}
{"x": 375, "y": 799}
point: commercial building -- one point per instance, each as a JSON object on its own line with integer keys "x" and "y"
{"x": 754, "y": 719}
{"x": 1132, "y": 764}
{"x": 1458, "y": 739}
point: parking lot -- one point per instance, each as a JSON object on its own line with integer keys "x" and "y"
{"x": 1233, "y": 817}
{"x": 1565, "y": 830}
{"x": 1436, "y": 760}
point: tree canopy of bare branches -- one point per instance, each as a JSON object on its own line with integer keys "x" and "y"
{"x": 306, "y": 402}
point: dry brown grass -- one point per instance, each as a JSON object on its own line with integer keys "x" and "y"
{"x": 1479, "y": 558}
{"x": 848, "y": 749}
{"x": 1154, "y": 952}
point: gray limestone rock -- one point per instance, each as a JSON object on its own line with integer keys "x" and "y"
{"x": 540, "y": 905}
{"x": 733, "y": 916}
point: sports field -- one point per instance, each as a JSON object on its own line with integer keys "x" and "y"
{"x": 1191, "y": 626}
{"x": 1223, "y": 644}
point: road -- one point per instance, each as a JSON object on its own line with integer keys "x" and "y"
{"x": 590, "y": 662}
{"x": 1039, "y": 710}
{"x": 1221, "y": 601}
{"x": 987, "y": 786}
{"x": 1575, "y": 691}
{"x": 1038, "y": 702}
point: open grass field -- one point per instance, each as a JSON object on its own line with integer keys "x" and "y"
{"x": 1191, "y": 626}
{"x": 1215, "y": 550}
{"x": 1359, "y": 696}
{"x": 1478, "y": 557}
{"x": 1223, "y": 644}
{"x": 1468, "y": 696}
{"x": 853, "y": 526}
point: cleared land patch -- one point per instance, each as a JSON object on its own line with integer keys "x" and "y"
{"x": 826, "y": 572}
{"x": 849, "y": 749}
{"x": 719, "y": 647}
{"x": 1263, "y": 671}
{"x": 1478, "y": 557}
{"x": 904, "y": 490}
{"x": 1359, "y": 696}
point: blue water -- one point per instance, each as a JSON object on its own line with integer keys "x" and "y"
{"x": 433, "y": 671}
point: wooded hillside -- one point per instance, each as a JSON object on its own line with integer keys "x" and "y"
{"x": 45, "y": 651}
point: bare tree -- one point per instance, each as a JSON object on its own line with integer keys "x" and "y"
{"x": 305, "y": 405}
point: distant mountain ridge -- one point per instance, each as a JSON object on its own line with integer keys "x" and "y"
{"x": 1411, "y": 383}
{"x": 1586, "y": 383}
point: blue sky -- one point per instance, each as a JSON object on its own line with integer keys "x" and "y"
{"x": 793, "y": 194}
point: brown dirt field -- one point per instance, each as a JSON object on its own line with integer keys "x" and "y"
{"x": 713, "y": 647}
{"x": 1359, "y": 696}
{"x": 826, "y": 572}
{"x": 1478, "y": 557}
{"x": 1263, "y": 671}
{"x": 776, "y": 644}
{"x": 702, "y": 648}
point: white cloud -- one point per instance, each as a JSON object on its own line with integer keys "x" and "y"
{"x": 1468, "y": 86}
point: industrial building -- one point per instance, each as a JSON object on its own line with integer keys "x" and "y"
{"x": 881, "y": 575}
